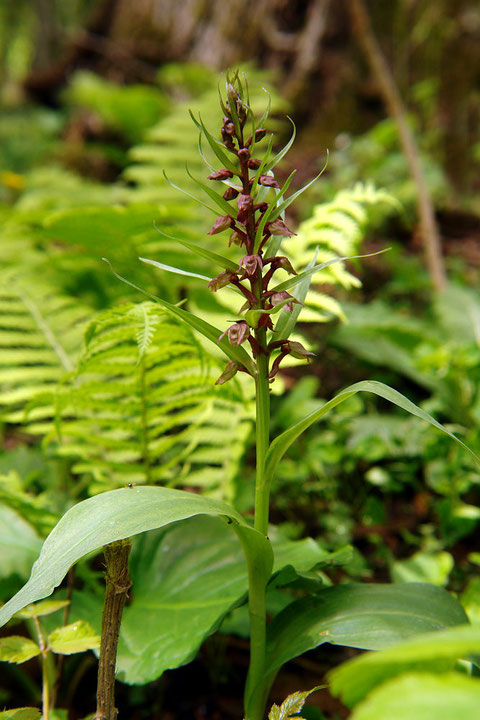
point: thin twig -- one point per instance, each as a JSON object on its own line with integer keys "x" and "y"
{"x": 61, "y": 658}
{"x": 428, "y": 226}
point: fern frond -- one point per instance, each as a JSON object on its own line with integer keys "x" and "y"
{"x": 337, "y": 229}
{"x": 41, "y": 334}
{"x": 142, "y": 407}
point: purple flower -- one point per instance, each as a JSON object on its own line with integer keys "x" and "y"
{"x": 221, "y": 223}
{"x": 278, "y": 227}
{"x": 236, "y": 333}
{"x": 251, "y": 263}
{"x": 221, "y": 280}
{"x": 245, "y": 207}
{"x": 268, "y": 181}
{"x": 279, "y": 297}
{"x": 222, "y": 174}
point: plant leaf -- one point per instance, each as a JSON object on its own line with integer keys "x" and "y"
{"x": 25, "y": 713}
{"x": 215, "y": 145}
{"x": 439, "y": 650}
{"x": 219, "y": 260}
{"x": 286, "y": 203}
{"x": 17, "y": 649}
{"x": 46, "y": 607}
{"x": 186, "y": 577}
{"x": 291, "y": 706}
{"x": 280, "y": 155}
{"x": 119, "y": 514}
{"x": 76, "y": 637}
{"x": 272, "y": 208}
{"x": 177, "y": 271}
{"x": 287, "y": 321}
{"x": 210, "y": 332}
{"x": 291, "y": 282}
{"x": 281, "y": 443}
{"x": 223, "y": 204}
{"x": 363, "y": 616}
{"x": 423, "y": 696}
{"x": 188, "y": 194}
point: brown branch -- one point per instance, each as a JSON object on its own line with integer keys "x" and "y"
{"x": 117, "y": 582}
{"x": 428, "y": 226}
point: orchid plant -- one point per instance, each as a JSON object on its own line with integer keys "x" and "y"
{"x": 250, "y": 213}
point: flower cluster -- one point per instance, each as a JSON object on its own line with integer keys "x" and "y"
{"x": 253, "y": 224}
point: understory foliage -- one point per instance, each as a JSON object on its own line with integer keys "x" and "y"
{"x": 140, "y": 407}
{"x": 134, "y": 412}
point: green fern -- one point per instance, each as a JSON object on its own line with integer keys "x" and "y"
{"x": 40, "y": 339}
{"x": 336, "y": 229}
{"x": 143, "y": 408}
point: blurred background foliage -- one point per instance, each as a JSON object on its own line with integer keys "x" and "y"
{"x": 94, "y": 108}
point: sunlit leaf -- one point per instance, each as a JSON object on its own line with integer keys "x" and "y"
{"x": 353, "y": 680}
{"x": 17, "y": 649}
{"x": 119, "y": 514}
{"x": 76, "y": 637}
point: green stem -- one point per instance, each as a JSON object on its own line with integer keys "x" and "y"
{"x": 262, "y": 439}
{"x": 257, "y": 586}
{"x": 45, "y": 670}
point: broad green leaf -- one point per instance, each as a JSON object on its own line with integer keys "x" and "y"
{"x": 210, "y": 332}
{"x": 219, "y": 260}
{"x": 186, "y": 578}
{"x": 291, "y": 706}
{"x": 25, "y": 713}
{"x": 439, "y": 650}
{"x": 422, "y": 696}
{"x": 19, "y": 543}
{"x": 17, "y": 649}
{"x": 119, "y": 514}
{"x": 177, "y": 271}
{"x": 281, "y": 443}
{"x": 363, "y": 616}
{"x": 423, "y": 567}
{"x": 45, "y": 607}
{"x": 76, "y": 637}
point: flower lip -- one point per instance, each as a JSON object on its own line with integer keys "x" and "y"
{"x": 251, "y": 263}
{"x": 222, "y": 174}
{"x": 236, "y": 333}
{"x": 268, "y": 181}
{"x": 221, "y": 223}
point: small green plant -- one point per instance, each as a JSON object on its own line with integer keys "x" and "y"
{"x": 70, "y": 638}
{"x": 249, "y": 205}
